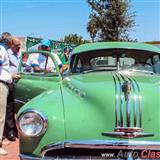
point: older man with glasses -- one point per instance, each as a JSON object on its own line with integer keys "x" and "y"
{"x": 10, "y": 125}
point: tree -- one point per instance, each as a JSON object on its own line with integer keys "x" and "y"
{"x": 110, "y": 20}
{"x": 75, "y": 39}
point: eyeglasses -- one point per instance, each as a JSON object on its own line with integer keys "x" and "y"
{"x": 17, "y": 45}
{"x": 5, "y": 40}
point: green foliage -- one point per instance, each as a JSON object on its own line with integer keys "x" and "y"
{"x": 74, "y": 39}
{"x": 110, "y": 20}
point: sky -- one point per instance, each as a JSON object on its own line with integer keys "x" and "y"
{"x": 53, "y": 19}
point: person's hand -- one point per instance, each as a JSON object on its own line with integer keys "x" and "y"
{"x": 48, "y": 70}
{"x": 16, "y": 76}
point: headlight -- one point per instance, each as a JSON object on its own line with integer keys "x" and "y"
{"x": 32, "y": 123}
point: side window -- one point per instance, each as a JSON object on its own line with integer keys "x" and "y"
{"x": 156, "y": 63}
{"x": 39, "y": 63}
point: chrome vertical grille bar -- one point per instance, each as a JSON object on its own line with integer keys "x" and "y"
{"x": 128, "y": 113}
{"x": 121, "y": 101}
{"x": 140, "y": 103}
{"x": 135, "y": 101}
{"x": 116, "y": 102}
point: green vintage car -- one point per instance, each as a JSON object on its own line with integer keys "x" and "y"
{"x": 108, "y": 106}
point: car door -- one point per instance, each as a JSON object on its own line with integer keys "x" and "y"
{"x": 32, "y": 83}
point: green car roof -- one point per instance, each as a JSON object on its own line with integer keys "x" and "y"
{"x": 110, "y": 45}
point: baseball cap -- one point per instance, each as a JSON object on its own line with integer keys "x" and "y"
{"x": 46, "y": 42}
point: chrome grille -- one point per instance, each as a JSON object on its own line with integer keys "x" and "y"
{"x": 128, "y": 104}
{"x": 136, "y": 100}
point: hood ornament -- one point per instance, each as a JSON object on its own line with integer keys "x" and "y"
{"x": 126, "y": 89}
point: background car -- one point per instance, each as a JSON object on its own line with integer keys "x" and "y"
{"x": 96, "y": 109}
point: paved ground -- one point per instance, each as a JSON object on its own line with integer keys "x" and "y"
{"x": 12, "y": 149}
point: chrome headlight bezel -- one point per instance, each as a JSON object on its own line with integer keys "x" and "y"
{"x": 37, "y": 113}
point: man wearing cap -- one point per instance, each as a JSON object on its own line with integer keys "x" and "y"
{"x": 39, "y": 60}
{"x": 5, "y": 80}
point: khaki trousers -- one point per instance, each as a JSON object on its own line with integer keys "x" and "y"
{"x": 3, "y": 103}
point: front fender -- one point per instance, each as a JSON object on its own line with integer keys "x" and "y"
{"x": 49, "y": 103}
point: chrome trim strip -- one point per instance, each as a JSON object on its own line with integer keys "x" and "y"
{"x": 139, "y": 99}
{"x": 29, "y": 157}
{"x": 19, "y": 101}
{"x": 134, "y": 99}
{"x": 128, "y": 112}
{"x": 140, "y": 103}
{"x": 127, "y": 135}
{"x": 129, "y": 129}
{"x": 116, "y": 102}
{"x": 103, "y": 144}
{"x": 121, "y": 101}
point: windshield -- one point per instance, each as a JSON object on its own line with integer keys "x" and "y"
{"x": 116, "y": 59}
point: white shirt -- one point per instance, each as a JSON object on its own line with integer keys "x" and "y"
{"x": 14, "y": 61}
{"x": 5, "y": 74}
{"x": 59, "y": 62}
{"x": 39, "y": 60}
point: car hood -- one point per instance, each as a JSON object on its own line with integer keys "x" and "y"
{"x": 113, "y": 105}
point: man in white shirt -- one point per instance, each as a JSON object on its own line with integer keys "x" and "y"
{"x": 5, "y": 80}
{"x": 38, "y": 61}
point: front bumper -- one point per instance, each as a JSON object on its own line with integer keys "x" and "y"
{"x": 93, "y": 149}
